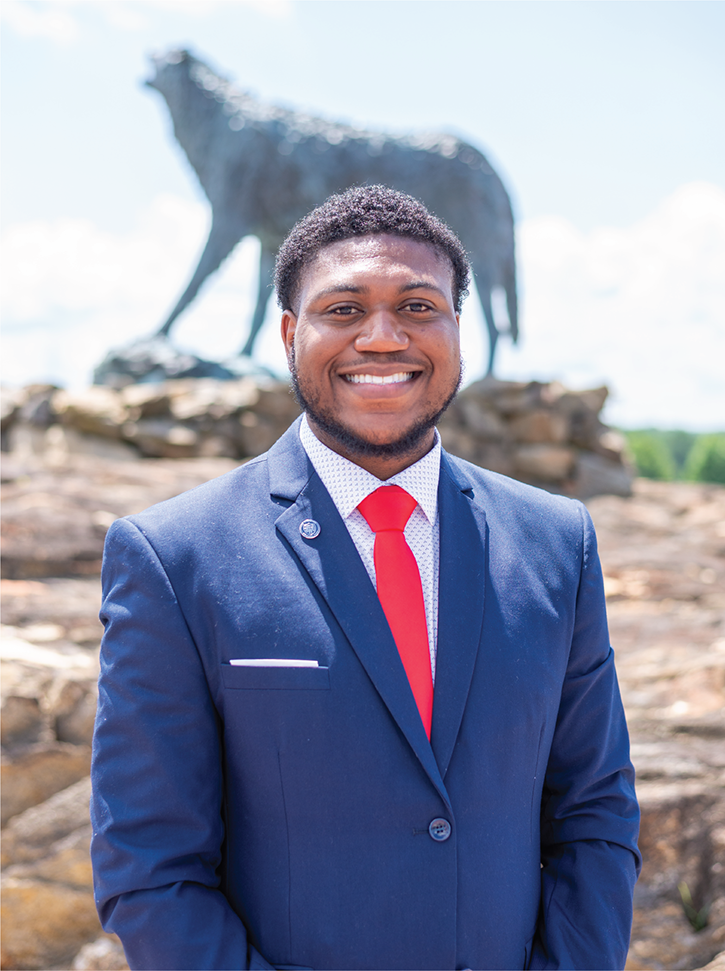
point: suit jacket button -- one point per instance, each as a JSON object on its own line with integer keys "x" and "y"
{"x": 440, "y": 830}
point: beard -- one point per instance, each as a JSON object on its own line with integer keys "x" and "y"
{"x": 354, "y": 444}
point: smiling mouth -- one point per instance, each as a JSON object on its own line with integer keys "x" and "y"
{"x": 398, "y": 378}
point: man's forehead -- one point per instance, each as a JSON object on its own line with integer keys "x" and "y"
{"x": 361, "y": 252}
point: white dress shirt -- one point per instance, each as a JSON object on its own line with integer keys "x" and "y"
{"x": 348, "y": 484}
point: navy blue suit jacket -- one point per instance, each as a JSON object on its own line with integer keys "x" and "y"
{"x": 257, "y": 817}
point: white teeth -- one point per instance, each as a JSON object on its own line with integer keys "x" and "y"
{"x": 379, "y": 379}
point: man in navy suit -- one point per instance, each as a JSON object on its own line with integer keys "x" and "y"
{"x": 329, "y": 741}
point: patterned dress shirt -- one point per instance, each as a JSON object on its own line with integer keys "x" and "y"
{"x": 348, "y": 484}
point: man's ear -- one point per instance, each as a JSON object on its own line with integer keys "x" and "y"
{"x": 288, "y": 327}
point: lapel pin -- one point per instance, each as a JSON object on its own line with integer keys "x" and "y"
{"x": 309, "y": 529}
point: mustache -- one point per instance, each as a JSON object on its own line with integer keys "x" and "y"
{"x": 392, "y": 357}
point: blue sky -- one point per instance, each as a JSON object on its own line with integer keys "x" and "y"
{"x": 604, "y": 119}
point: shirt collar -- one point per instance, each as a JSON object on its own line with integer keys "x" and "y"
{"x": 348, "y": 484}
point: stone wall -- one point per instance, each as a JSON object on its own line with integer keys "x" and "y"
{"x": 541, "y": 433}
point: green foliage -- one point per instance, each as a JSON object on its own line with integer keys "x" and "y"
{"x": 677, "y": 454}
{"x": 706, "y": 461}
{"x": 651, "y": 455}
{"x": 698, "y": 917}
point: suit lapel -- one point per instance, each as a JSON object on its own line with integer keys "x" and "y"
{"x": 335, "y": 567}
{"x": 460, "y": 605}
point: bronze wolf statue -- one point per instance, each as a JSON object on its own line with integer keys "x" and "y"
{"x": 263, "y": 168}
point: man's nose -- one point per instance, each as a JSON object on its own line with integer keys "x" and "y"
{"x": 382, "y": 333}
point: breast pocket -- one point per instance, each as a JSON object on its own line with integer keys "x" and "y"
{"x": 276, "y": 678}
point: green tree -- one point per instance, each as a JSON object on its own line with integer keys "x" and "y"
{"x": 706, "y": 461}
{"x": 651, "y": 454}
{"x": 680, "y": 445}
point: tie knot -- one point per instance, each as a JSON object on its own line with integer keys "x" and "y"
{"x": 389, "y": 507}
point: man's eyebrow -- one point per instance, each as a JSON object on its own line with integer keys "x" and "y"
{"x": 355, "y": 288}
{"x": 340, "y": 288}
{"x": 422, "y": 285}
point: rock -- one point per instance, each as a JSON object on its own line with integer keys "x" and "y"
{"x": 48, "y": 906}
{"x": 218, "y": 446}
{"x": 38, "y": 407}
{"x": 73, "y": 604}
{"x": 154, "y": 360}
{"x": 96, "y": 410}
{"x": 67, "y": 862}
{"x": 44, "y": 923}
{"x": 573, "y": 403}
{"x": 149, "y": 400}
{"x": 48, "y": 706}
{"x": 200, "y": 399}
{"x": 11, "y": 401}
{"x": 72, "y": 706}
{"x": 459, "y": 441}
{"x": 31, "y": 834}
{"x": 483, "y": 421}
{"x": 612, "y": 445}
{"x": 595, "y": 475}
{"x": 55, "y": 519}
{"x": 256, "y": 433}
{"x": 103, "y": 954}
{"x": 717, "y": 963}
{"x": 47, "y": 889}
{"x": 544, "y": 463}
{"x": 664, "y": 564}
{"x": 538, "y": 427}
{"x": 38, "y": 771}
{"x": 21, "y": 720}
{"x": 508, "y": 398}
{"x": 162, "y": 437}
{"x": 277, "y": 401}
{"x": 48, "y": 533}
{"x": 61, "y": 443}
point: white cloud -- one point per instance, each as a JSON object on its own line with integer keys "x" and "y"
{"x": 640, "y": 308}
{"x": 124, "y": 16}
{"x": 72, "y": 265}
{"x": 71, "y": 291}
{"x": 58, "y": 20}
{"x": 277, "y": 9}
{"x": 51, "y": 20}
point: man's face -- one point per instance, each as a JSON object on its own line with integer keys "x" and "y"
{"x": 374, "y": 348}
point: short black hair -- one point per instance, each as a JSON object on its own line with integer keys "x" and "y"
{"x": 370, "y": 210}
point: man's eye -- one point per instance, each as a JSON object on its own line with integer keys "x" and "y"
{"x": 416, "y": 307}
{"x": 345, "y": 311}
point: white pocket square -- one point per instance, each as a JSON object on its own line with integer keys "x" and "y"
{"x": 272, "y": 662}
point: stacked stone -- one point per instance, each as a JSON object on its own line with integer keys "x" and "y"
{"x": 48, "y": 708}
{"x": 541, "y": 433}
{"x": 190, "y": 417}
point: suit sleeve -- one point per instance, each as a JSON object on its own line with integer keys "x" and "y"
{"x": 157, "y": 777}
{"x": 589, "y": 813}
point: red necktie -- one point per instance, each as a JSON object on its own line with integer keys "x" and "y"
{"x": 387, "y": 510}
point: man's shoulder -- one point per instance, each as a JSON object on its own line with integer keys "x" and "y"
{"x": 494, "y": 490}
{"x": 247, "y": 480}
{"x": 521, "y": 518}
